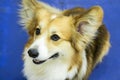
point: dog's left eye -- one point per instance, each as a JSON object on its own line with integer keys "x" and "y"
{"x": 37, "y": 31}
{"x": 55, "y": 37}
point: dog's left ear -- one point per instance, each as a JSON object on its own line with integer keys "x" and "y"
{"x": 86, "y": 25}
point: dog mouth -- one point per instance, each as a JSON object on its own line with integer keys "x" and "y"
{"x": 36, "y": 61}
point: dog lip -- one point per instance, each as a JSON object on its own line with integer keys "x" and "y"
{"x": 36, "y": 61}
{"x": 55, "y": 55}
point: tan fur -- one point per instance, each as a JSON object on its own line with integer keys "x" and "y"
{"x": 81, "y": 30}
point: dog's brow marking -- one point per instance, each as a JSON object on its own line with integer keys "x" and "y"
{"x": 42, "y": 24}
{"x": 53, "y": 16}
{"x": 53, "y": 32}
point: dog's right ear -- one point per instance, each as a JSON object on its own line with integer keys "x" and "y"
{"x": 31, "y": 10}
{"x": 28, "y": 10}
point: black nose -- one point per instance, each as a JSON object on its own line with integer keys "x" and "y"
{"x": 33, "y": 53}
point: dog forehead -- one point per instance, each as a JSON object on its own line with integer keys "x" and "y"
{"x": 61, "y": 23}
{"x": 54, "y": 23}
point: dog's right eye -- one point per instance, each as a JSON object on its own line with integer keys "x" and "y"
{"x": 37, "y": 31}
{"x": 55, "y": 37}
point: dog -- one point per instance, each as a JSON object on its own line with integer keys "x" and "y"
{"x": 62, "y": 44}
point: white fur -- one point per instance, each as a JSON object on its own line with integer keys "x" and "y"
{"x": 47, "y": 71}
{"x": 84, "y": 66}
{"x": 53, "y": 16}
{"x": 72, "y": 73}
{"x": 40, "y": 45}
{"x": 52, "y": 69}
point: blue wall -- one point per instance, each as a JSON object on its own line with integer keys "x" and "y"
{"x": 13, "y": 38}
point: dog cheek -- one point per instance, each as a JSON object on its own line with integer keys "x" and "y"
{"x": 75, "y": 42}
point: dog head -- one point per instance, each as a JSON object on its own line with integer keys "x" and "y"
{"x": 58, "y": 34}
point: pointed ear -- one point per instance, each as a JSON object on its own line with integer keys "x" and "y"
{"x": 86, "y": 26}
{"x": 28, "y": 10}
{"x": 31, "y": 11}
{"x": 27, "y": 13}
{"x": 88, "y": 23}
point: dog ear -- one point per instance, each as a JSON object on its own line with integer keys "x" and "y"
{"x": 31, "y": 11}
{"x": 27, "y": 14}
{"x": 28, "y": 10}
{"x": 86, "y": 26}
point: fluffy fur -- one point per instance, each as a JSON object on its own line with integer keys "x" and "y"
{"x": 83, "y": 43}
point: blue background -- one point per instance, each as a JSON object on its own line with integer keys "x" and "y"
{"x": 13, "y": 38}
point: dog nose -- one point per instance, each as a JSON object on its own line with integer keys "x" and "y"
{"x": 33, "y": 53}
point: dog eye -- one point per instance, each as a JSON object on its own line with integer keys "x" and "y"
{"x": 55, "y": 37}
{"x": 37, "y": 31}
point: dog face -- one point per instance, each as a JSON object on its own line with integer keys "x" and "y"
{"x": 51, "y": 39}
{"x": 58, "y": 34}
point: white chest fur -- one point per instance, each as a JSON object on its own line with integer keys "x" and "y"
{"x": 48, "y": 71}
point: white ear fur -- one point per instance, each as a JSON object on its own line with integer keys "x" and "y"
{"x": 29, "y": 8}
{"x": 27, "y": 11}
{"x": 88, "y": 24}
